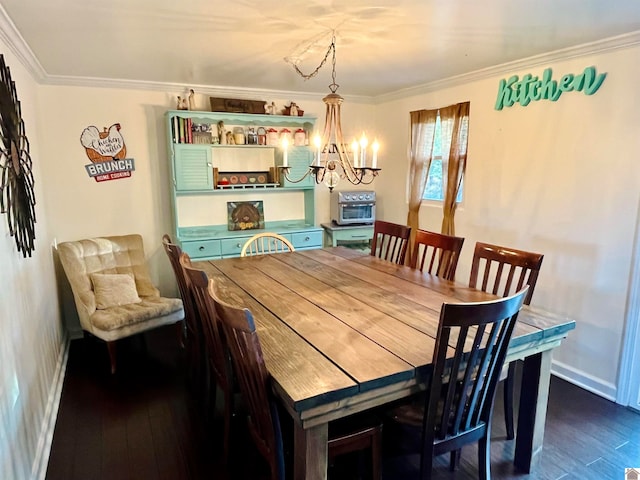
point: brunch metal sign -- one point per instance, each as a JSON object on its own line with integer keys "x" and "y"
{"x": 523, "y": 91}
{"x": 107, "y": 153}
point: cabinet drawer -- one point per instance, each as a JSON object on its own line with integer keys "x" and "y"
{"x": 232, "y": 246}
{"x": 202, "y": 249}
{"x": 307, "y": 239}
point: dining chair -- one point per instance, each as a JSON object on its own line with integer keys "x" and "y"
{"x": 470, "y": 349}
{"x": 266, "y": 242}
{"x": 193, "y": 339}
{"x": 436, "y": 253}
{"x": 502, "y": 271}
{"x": 351, "y": 434}
{"x": 216, "y": 349}
{"x": 112, "y": 289}
{"x": 390, "y": 241}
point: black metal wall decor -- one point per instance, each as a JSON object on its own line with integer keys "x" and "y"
{"x": 17, "y": 198}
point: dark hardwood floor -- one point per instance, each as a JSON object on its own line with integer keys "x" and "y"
{"x": 144, "y": 423}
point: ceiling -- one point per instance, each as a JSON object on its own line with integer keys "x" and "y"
{"x": 381, "y": 46}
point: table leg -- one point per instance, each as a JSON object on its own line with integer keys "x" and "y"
{"x": 310, "y": 452}
{"x": 534, "y": 395}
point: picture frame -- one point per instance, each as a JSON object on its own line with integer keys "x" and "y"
{"x": 245, "y": 215}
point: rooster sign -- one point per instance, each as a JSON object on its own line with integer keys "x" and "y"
{"x": 107, "y": 153}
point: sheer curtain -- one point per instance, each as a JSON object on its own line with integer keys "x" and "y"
{"x": 454, "y": 121}
{"x": 455, "y": 127}
{"x": 423, "y": 129}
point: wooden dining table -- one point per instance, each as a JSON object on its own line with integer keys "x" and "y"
{"x": 344, "y": 332}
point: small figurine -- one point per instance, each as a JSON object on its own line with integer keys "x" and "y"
{"x": 179, "y": 105}
{"x": 192, "y": 103}
{"x": 293, "y": 110}
{"x": 230, "y": 139}
{"x": 270, "y": 109}
{"x": 222, "y": 134}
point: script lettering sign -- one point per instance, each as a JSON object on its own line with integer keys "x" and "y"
{"x": 531, "y": 88}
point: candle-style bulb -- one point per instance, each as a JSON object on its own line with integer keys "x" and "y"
{"x": 285, "y": 146}
{"x": 354, "y": 149}
{"x": 317, "y": 141}
{"x": 375, "y": 147}
{"x": 363, "y": 150}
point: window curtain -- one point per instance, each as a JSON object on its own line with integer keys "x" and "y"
{"x": 455, "y": 127}
{"x": 423, "y": 128}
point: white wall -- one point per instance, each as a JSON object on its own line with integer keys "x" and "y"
{"x": 31, "y": 343}
{"x": 561, "y": 178}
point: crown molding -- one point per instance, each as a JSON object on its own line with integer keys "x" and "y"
{"x": 627, "y": 40}
{"x": 212, "y": 90}
{"x": 19, "y": 47}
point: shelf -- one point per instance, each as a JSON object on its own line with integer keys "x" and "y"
{"x": 260, "y": 186}
{"x": 248, "y": 119}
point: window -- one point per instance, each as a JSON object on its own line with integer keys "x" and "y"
{"x": 437, "y": 176}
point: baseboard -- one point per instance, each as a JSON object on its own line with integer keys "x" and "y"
{"x": 584, "y": 380}
{"x": 43, "y": 449}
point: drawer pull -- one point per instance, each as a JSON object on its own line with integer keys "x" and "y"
{"x": 201, "y": 248}
{"x": 238, "y": 245}
{"x": 306, "y": 239}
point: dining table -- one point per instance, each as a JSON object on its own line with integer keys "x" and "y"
{"x": 343, "y": 332}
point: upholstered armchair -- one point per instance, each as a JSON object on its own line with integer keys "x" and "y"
{"x": 112, "y": 289}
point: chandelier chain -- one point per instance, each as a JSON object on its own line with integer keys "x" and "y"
{"x": 331, "y": 49}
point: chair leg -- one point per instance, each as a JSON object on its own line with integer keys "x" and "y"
{"x": 376, "y": 454}
{"x": 111, "y": 347}
{"x": 228, "y": 411}
{"x": 484, "y": 457}
{"x": 454, "y": 460}
{"x": 180, "y": 333}
{"x": 508, "y": 400}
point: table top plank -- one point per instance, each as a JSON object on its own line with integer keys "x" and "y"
{"x": 303, "y": 376}
{"x": 416, "y": 315}
{"x": 414, "y": 347}
{"x": 410, "y": 282}
{"x": 366, "y": 362}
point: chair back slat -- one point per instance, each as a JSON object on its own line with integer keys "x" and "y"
{"x": 440, "y": 253}
{"x": 254, "y": 381}
{"x": 173, "y": 251}
{"x": 500, "y": 266}
{"x": 390, "y": 241}
{"x": 265, "y": 243}
{"x": 215, "y": 347}
{"x": 459, "y": 410}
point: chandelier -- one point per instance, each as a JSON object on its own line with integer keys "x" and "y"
{"x": 333, "y": 157}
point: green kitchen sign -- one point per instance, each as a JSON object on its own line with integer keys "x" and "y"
{"x": 532, "y": 88}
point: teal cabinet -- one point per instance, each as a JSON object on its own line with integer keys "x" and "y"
{"x": 193, "y": 168}
{"x": 199, "y": 200}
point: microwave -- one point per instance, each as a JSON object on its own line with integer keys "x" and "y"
{"x": 353, "y": 208}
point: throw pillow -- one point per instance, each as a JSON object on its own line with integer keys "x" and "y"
{"x": 112, "y": 290}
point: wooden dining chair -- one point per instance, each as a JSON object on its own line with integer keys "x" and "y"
{"x": 216, "y": 350}
{"x": 436, "y": 253}
{"x": 390, "y": 241}
{"x": 193, "y": 333}
{"x": 471, "y": 346}
{"x": 502, "y": 271}
{"x": 347, "y": 435}
{"x": 264, "y": 243}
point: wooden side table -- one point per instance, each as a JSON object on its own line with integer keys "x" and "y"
{"x": 334, "y": 233}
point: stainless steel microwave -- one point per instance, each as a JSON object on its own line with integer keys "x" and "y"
{"x": 353, "y": 208}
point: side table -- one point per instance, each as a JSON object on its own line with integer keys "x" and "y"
{"x": 334, "y": 233}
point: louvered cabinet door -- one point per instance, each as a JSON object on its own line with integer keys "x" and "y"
{"x": 193, "y": 168}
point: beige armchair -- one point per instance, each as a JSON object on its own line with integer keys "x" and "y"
{"x": 112, "y": 289}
